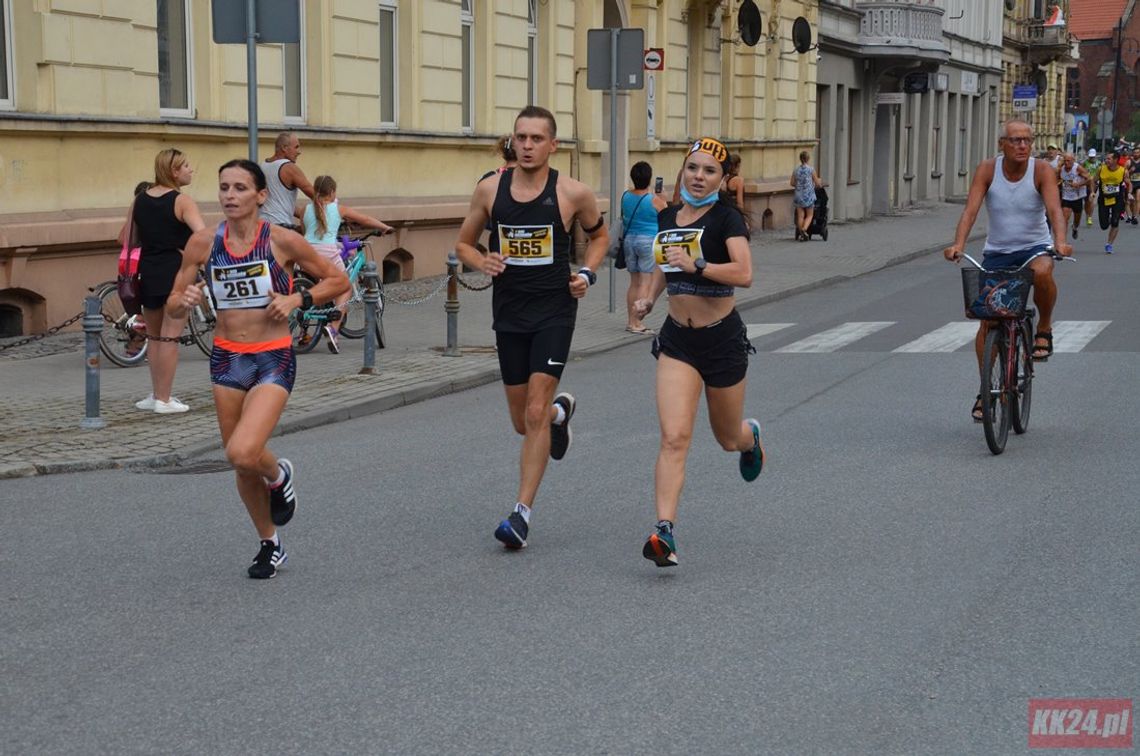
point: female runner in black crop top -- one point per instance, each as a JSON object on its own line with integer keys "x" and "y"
{"x": 703, "y": 254}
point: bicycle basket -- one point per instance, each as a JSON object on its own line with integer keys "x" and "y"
{"x": 996, "y": 294}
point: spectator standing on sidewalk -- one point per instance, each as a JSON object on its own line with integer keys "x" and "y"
{"x": 733, "y": 183}
{"x": 805, "y": 181}
{"x": 322, "y": 220}
{"x": 534, "y": 303}
{"x": 639, "y": 211}
{"x": 284, "y": 178}
{"x": 249, "y": 268}
{"x": 164, "y": 218}
{"x": 702, "y": 252}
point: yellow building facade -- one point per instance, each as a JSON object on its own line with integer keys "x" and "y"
{"x": 400, "y": 100}
{"x": 1038, "y": 54}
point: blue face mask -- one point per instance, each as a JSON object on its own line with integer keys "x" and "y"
{"x": 691, "y": 200}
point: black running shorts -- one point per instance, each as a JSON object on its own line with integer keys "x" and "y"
{"x": 522, "y": 354}
{"x": 1110, "y": 214}
{"x": 1076, "y": 205}
{"x": 719, "y": 352}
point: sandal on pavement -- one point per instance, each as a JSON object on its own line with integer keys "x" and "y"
{"x": 643, "y": 330}
{"x": 976, "y": 412}
{"x": 1042, "y": 352}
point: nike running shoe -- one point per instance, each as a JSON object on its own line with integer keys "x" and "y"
{"x": 560, "y": 436}
{"x": 283, "y": 497}
{"x": 752, "y": 461}
{"x": 268, "y": 559}
{"x": 512, "y": 532}
{"x": 660, "y": 548}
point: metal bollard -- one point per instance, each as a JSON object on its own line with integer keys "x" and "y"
{"x": 451, "y": 306}
{"x": 371, "y": 298}
{"x": 92, "y": 327}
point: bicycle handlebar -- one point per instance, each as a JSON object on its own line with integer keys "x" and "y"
{"x": 1050, "y": 251}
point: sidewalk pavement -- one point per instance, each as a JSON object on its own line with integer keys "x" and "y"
{"x": 42, "y": 397}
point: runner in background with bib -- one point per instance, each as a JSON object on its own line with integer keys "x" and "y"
{"x": 1134, "y": 194}
{"x": 249, "y": 274}
{"x": 702, "y": 255}
{"x": 1113, "y": 187}
{"x": 1074, "y": 190}
{"x": 531, "y": 209}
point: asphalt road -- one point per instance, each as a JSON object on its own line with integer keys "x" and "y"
{"x": 886, "y": 587}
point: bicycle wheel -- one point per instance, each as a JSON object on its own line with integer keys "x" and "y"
{"x": 202, "y": 321}
{"x": 1023, "y": 367}
{"x": 305, "y": 329}
{"x": 123, "y": 338}
{"x": 995, "y": 396}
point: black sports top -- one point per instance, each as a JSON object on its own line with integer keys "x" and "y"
{"x": 534, "y": 291}
{"x": 705, "y": 237}
{"x": 159, "y": 230}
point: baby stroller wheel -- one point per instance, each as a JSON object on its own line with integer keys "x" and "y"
{"x": 823, "y": 233}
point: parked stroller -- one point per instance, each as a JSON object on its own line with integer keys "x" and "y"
{"x": 819, "y": 218}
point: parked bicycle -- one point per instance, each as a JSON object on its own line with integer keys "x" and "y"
{"x": 124, "y": 340}
{"x": 1001, "y": 297}
{"x": 307, "y": 326}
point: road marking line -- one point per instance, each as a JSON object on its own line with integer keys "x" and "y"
{"x": 836, "y": 338}
{"x": 1075, "y": 335}
{"x": 756, "y": 330}
{"x": 945, "y": 339}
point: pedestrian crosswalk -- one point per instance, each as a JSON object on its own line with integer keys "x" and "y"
{"x": 1068, "y": 336}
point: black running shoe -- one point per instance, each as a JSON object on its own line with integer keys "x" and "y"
{"x": 560, "y": 435}
{"x": 283, "y": 498}
{"x": 512, "y": 531}
{"x": 267, "y": 561}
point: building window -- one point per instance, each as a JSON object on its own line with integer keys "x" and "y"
{"x": 467, "y": 34}
{"x": 1073, "y": 92}
{"x": 6, "y": 98}
{"x": 293, "y": 80}
{"x": 174, "y": 58}
{"x": 531, "y": 52}
{"x": 854, "y": 135}
{"x": 388, "y": 61}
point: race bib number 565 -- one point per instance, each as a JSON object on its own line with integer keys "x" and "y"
{"x": 526, "y": 245}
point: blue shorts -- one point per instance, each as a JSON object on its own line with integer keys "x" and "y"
{"x": 1007, "y": 260}
{"x": 246, "y": 370}
{"x": 639, "y": 254}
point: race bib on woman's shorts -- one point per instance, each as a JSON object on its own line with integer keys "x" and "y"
{"x": 242, "y": 286}
{"x": 688, "y": 238}
{"x": 526, "y": 245}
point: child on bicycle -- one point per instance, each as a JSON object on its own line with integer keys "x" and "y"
{"x": 322, "y": 219}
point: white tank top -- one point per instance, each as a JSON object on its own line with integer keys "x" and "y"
{"x": 278, "y": 208}
{"x": 1068, "y": 190}
{"x": 1016, "y": 212}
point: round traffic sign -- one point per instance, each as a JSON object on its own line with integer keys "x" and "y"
{"x": 654, "y": 59}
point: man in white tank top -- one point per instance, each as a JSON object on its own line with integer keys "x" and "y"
{"x": 283, "y": 178}
{"x": 1075, "y": 182}
{"x": 1018, "y": 191}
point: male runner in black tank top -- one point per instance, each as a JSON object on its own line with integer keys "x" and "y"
{"x": 535, "y": 300}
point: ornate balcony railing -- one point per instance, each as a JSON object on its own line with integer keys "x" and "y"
{"x": 902, "y": 28}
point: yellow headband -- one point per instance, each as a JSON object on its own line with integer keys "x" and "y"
{"x": 710, "y": 146}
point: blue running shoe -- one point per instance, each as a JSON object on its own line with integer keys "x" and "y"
{"x": 512, "y": 531}
{"x": 1108, "y": 249}
{"x": 660, "y": 548}
{"x": 752, "y": 461}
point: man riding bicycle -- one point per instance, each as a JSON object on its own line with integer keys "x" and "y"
{"x": 1018, "y": 191}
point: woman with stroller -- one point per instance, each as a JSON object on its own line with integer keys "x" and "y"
{"x": 805, "y": 181}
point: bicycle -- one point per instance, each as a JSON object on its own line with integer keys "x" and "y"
{"x": 307, "y": 326}
{"x": 123, "y": 339}
{"x": 1000, "y": 297}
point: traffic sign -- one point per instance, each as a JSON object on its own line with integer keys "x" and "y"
{"x": 1024, "y": 97}
{"x": 627, "y": 66}
{"x": 654, "y": 59}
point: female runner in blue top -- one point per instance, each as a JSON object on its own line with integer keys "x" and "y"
{"x": 249, "y": 275}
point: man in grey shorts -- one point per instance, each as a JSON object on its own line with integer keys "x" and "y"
{"x": 283, "y": 178}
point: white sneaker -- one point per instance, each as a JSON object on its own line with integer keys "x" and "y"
{"x": 170, "y": 408}
{"x": 146, "y": 404}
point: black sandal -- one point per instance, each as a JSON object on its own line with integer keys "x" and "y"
{"x": 1047, "y": 347}
{"x": 976, "y": 412}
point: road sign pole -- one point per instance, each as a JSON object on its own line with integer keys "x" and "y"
{"x": 613, "y": 148}
{"x": 251, "y": 73}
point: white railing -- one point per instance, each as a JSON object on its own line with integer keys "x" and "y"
{"x": 901, "y": 22}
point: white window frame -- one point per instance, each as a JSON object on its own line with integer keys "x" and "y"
{"x": 393, "y": 7}
{"x": 467, "y": 27}
{"x": 188, "y": 111}
{"x": 9, "y": 102}
{"x": 303, "y": 77}
{"x": 532, "y": 52}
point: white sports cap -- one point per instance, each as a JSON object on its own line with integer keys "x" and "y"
{"x": 1092, "y": 152}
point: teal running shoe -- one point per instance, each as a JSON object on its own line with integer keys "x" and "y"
{"x": 660, "y": 548}
{"x": 752, "y": 461}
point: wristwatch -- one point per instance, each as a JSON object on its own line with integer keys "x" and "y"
{"x": 306, "y": 299}
{"x": 700, "y": 264}
{"x": 589, "y": 275}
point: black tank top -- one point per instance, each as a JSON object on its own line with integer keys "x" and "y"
{"x": 159, "y": 230}
{"x": 534, "y": 291}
